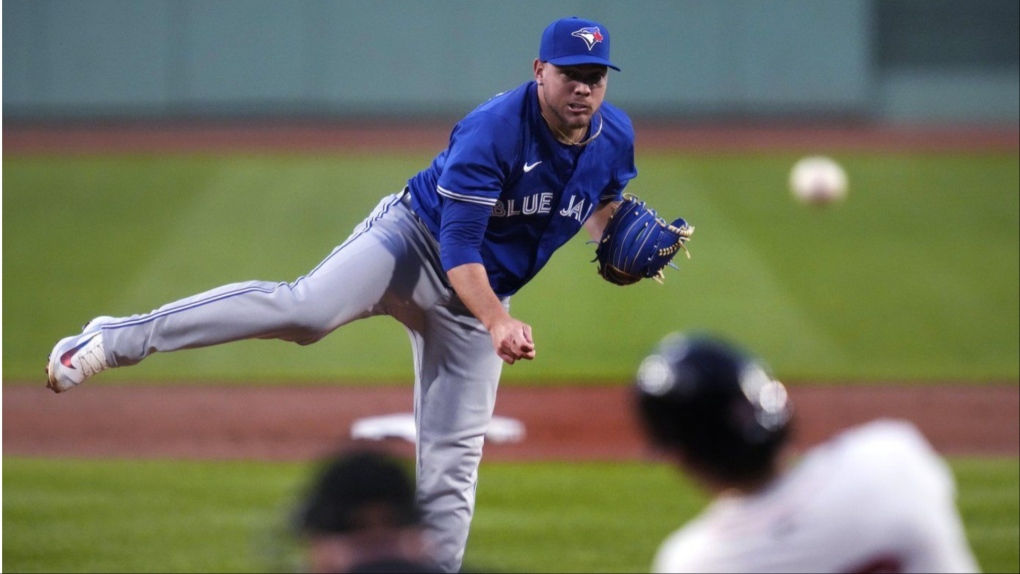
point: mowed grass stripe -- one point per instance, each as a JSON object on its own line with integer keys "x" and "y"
{"x": 914, "y": 278}
{"x": 143, "y": 516}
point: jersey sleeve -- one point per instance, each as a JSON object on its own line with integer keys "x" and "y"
{"x": 483, "y": 147}
{"x": 914, "y": 489}
{"x": 482, "y": 150}
{"x": 940, "y": 541}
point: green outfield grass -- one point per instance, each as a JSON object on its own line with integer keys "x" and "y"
{"x": 915, "y": 277}
{"x": 148, "y": 516}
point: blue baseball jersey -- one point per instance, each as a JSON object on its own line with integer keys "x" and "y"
{"x": 506, "y": 194}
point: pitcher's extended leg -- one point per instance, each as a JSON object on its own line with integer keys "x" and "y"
{"x": 349, "y": 284}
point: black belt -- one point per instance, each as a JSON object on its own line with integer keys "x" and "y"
{"x": 405, "y": 198}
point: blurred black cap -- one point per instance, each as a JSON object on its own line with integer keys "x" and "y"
{"x": 359, "y": 490}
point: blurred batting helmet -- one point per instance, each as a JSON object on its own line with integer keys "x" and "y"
{"x": 714, "y": 402}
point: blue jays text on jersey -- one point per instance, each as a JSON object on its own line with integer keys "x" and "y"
{"x": 506, "y": 194}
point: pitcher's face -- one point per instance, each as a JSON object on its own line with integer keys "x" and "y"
{"x": 570, "y": 95}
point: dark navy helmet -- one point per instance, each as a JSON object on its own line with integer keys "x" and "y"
{"x": 715, "y": 403}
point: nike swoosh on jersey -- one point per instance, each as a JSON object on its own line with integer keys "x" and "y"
{"x": 530, "y": 167}
{"x": 65, "y": 359}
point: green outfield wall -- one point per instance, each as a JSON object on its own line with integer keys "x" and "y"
{"x": 908, "y": 61}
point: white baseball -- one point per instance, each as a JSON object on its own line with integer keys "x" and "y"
{"x": 818, "y": 180}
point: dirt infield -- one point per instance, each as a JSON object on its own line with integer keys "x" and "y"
{"x": 561, "y": 423}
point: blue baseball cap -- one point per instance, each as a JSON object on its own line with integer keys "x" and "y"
{"x": 575, "y": 41}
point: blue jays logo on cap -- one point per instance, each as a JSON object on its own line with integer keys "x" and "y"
{"x": 590, "y": 34}
{"x": 560, "y": 45}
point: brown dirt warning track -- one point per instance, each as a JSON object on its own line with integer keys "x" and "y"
{"x": 561, "y": 423}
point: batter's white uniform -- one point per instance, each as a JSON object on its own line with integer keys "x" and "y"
{"x": 876, "y": 498}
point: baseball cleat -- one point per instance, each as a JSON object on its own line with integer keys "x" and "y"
{"x": 77, "y": 357}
